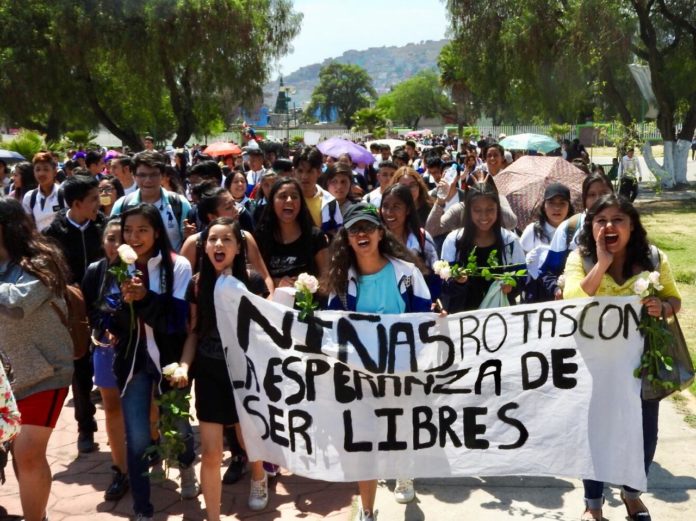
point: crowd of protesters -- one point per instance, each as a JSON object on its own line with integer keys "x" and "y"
{"x": 266, "y": 216}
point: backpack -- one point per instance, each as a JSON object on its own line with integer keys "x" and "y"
{"x": 332, "y": 224}
{"x": 76, "y": 321}
{"x": 35, "y": 194}
{"x": 572, "y": 228}
{"x": 172, "y": 199}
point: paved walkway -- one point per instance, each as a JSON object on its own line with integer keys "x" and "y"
{"x": 79, "y": 482}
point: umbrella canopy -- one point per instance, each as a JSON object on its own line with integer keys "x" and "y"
{"x": 221, "y": 148}
{"x": 336, "y": 146}
{"x": 537, "y": 142}
{"x": 10, "y": 156}
{"x": 524, "y": 182}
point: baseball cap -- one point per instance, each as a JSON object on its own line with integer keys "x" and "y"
{"x": 361, "y": 212}
{"x": 555, "y": 189}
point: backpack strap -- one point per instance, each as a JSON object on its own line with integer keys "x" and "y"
{"x": 572, "y": 228}
{"x": 331, "y": 225}
{"x": 127, "y": 202}
{"x": 61, "y": 199}
{"x": 32, "y": 198}
{"x": 655, "y": 257}
{"x": 176, "y": 205}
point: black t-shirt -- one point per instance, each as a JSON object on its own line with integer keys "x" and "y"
{"x": 289, "y": 260}
{"x": 209, "y": 342}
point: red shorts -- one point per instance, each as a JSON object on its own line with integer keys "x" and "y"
{"x": 42, "y": 409}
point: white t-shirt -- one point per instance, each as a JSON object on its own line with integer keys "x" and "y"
{"x": 529, "y": 239}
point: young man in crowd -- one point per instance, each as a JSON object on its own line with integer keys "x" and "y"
{"x": 121, "y": 167}
{"x": 43, "y": 202}
{"x": 256, "y": 169}
{"x": 95, "y": 164}
{"x": 384, "y": 176}
{"x": 149, "y": 168}
{"x": 78, "y": 231}
{"x": 322, "y": 206}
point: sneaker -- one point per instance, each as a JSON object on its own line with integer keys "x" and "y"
{"x": 189, "y": 484}
{"x": 403, "y": 491}
{"x": 271, "y": 469}
{"x": 118, "y": 487}
{"x": 258, "y": 494}
{"x": 85, "y": 443}
{"x": 143, "y": 517}
{"x": 366, "y": 516}
{"x": 237, "y": 468}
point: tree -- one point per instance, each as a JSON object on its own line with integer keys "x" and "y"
{"x": 540, "y": 58}
{"x": 134, "y": 66}
{"x": 371, "y": 120}
{"x": 343, "y": 88}
{"x": 415, "y": 98}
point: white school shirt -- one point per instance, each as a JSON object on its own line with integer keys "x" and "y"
{"x": 45, "y": 209}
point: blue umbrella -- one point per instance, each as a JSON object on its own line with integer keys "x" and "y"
{"x": 537, "y": 142}
{"x": 9, "y": 155}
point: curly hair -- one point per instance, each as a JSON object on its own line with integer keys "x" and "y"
{"x": 638, "y": 247}
{"x": 342, "y": 257}
{"x": 423, "y": 194}
{"x": 33, "y": 252}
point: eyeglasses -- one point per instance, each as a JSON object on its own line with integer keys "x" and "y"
{"x": 366, "y": 228}
{"x": 148, "y": 176}
{"x": 106, "y": 190}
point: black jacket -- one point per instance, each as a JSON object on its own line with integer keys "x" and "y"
{"x": 80, "y": 248}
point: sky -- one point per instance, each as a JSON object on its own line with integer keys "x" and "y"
{"x": 331, "y": 27}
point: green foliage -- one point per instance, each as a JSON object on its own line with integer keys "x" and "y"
{"x": 147, "y": 66}
{"x": 345, "y": 88}
{"x": 371, "y": 120}
{"x": 174, "y": 407}
{"x": 418, "y": 97}
{"x": 558, "y": 130}
{"x": 27, "y": 143}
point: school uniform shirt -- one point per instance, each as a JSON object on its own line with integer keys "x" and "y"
{"x": 175, "y": 228}
{"x": 374, "y": 197}
{"x": 428, "y": 252}
{"x": 530, "y": 240}
{"x": 407, "y": 279}
{"x": 325, "y": 210}
{"x": 254, "y": 178}
{"x": 45, "y": 208}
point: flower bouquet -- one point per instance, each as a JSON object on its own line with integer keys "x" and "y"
{"x": 447, "y": 271}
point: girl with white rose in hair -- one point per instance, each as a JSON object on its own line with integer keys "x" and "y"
{"x": 203, "y": 353}
{"x": 613, "y": 259}
{"x": 149, "y": 324}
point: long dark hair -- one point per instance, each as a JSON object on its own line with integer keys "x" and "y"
{"x": 413, "y": 224}
{"x": 29, "y": 249}
{"x": 207, "y": 319}
{"x": 638, "y": 247}
{"x": 467, "y": 241}
{"x": 542, "y": 219}
{"x": 342, "y": 257}
{"x": 594, "y": 177}
{"x": 162, "y": 244}
{"x": 26, "y": 173}
{"x": 267, "y": 228}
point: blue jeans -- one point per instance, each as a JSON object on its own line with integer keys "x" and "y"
{"x": 135, "y": 403}
{"x": 594, "y": 489}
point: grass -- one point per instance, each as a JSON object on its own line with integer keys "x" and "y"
{"x": 670, "y": 226}
{"x": 657, "y": 150}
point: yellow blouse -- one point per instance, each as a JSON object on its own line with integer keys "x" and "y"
{"x": 575, "y": 273}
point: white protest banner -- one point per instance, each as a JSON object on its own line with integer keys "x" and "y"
{"x": 539, "y": 390}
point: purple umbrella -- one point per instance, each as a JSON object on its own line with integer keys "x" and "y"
{"x": 336, "y": 146}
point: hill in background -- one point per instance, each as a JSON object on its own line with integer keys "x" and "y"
{"x": 386, "y": 65}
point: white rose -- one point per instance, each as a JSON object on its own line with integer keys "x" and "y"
{"x": 307, "y": 282}
{"x": 170, "y": 370}
{"x": 127, "y": 254}
{"x": 654, "y": 279}
{"x": 180, "y": 372}
{"x": 640, "y": 287}
{"x": 442, "y": 269}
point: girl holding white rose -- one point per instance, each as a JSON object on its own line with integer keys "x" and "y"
{"x": 203, "y": 352}
{"x": 613, "y": 259}
{"x": 150, "y": 328}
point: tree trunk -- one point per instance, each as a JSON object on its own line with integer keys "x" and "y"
{"x": 672, "y": 172}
